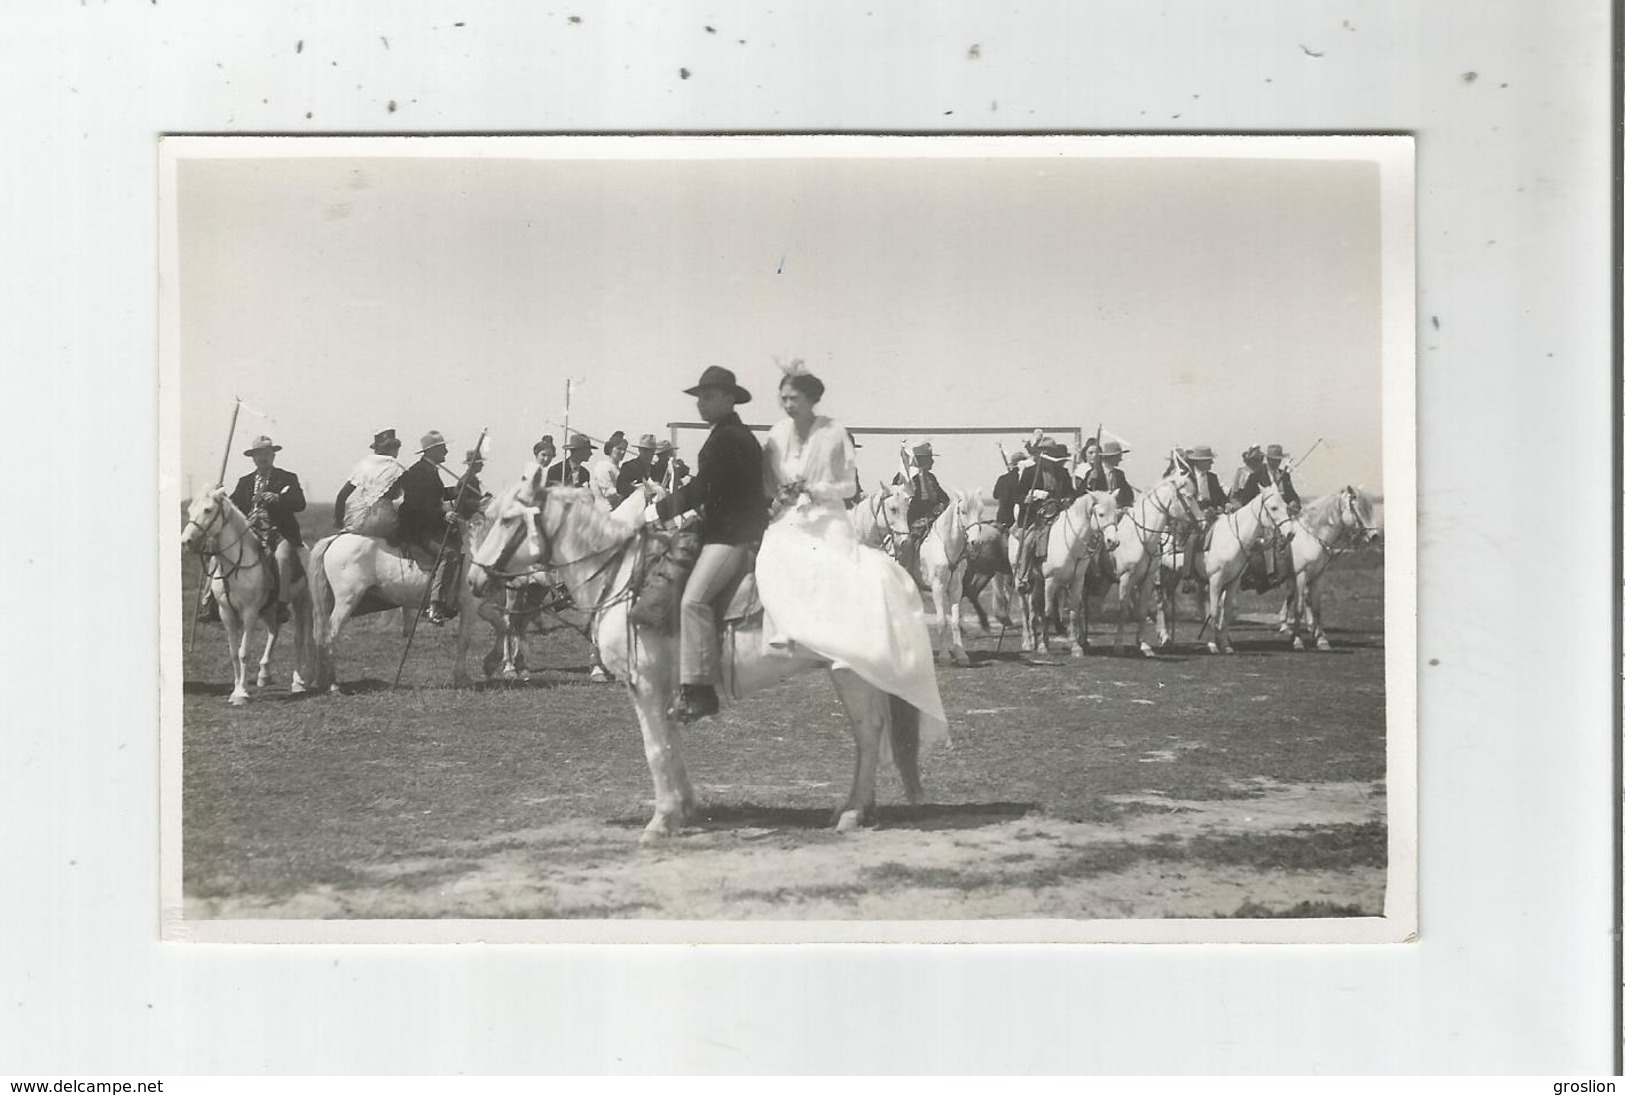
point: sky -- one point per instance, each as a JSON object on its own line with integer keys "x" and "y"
{"x": 1168, "y": 301}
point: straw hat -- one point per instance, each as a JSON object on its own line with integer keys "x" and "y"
{"x": 261, "y": 444}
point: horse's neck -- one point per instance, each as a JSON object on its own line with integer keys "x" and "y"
{"x": 237, "y": 543}
{"x": 950, "y": 527}
{"x": 591, "y": 572}
{"x": 1152, "y": 519}
{"x": 1326, "y": 522}
{"x": 1249, "y": 519}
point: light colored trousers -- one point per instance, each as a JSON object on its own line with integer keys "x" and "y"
{"x": 718, "y": 566}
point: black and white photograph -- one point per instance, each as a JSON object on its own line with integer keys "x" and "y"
{"x": 788, "y": 538}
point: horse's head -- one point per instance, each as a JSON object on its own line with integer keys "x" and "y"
{"x": 891, "y": 507}
{"x": 1176, "y": 495}
{"x": 1272, "y": 508}
{"x": 1359, "y": 514}
{"x": 1103, "y": 515}
{"x": 204, "y": 519}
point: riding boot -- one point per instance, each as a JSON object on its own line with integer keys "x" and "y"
{"x": 698, "y": 701}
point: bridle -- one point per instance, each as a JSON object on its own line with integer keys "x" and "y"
{"x": 1167, "y": 510}
{"x": 532, "y": 521}
{"x": 220, "y": 569}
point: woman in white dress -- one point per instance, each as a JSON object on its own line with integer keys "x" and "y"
{"x": 823, "y": 591}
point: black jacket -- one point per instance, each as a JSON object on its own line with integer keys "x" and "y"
{"x": 633, "y": 472}
{"x": 1049, "y": 476}
{"x": 1249, "y": 483}
{"x": 929, "y": 499}
{"x": 579, "y": 476}
{"x": 290, "y": 499}
{"x": 1108, "y": 479}
{"x": 727, "y": 488}
{"x": 1216, "y": 498}
{"x": 423, "y": 497}
{"x": 1007, "y": 493}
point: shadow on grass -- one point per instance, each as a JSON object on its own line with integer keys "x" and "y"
{"x": 749, "y": 815}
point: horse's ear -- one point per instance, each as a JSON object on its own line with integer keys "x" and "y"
{"x": 219, "y": 494}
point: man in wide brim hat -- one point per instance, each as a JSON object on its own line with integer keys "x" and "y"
{"x": 270, "y": 497}
{"x": 727, "y": 490}
{"x": 716, "y": 378}
{"x": 636, "y": 470}
{"x": 572, "y": 470}
{"x": 1210, "y": 499}
{"x": 1105, "y": 475}
{"x": 261, "y": 444}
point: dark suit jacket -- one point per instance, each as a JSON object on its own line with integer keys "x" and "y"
{"x": 929, "y": 498}
{"x": 633, "y": 472}
{"x": 579, "y": 476}
{"x": 1050, "y": 476}
{"x": 423, "y": 497}
{"x": 727, "y": 488}
{"x": 1007, "y": 493}
{"x": 1216, "y": 498}
{"x": 1250, "y": 483}
{"x": 290, "y": 499}
{"x": 1108, "y": 479}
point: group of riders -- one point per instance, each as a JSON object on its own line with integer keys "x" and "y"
{"x": 1042, "y": 479}
{"x": 425, "y": 506}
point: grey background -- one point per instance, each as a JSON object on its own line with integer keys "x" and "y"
{"x": 1509, "y": 101}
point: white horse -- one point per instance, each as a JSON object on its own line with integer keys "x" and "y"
{"x": 353, "y": 575}
{"x": 1224, "y": 559}
{"x": 987, "y": 565}
{"x": 1075, "y": 538}
{"x": 596, "y": 556}
{"x": 241, "y": 581}
{"x": 1143, "y": 532}
{"x": 1325, "y": 528}
{"x": 942, "y": 554}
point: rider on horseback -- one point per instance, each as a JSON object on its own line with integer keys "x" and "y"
{"x": 926, "y": 502}
{"x": 372, "y": 482}
{"x": 432, "y": 515}
{"x": 1263, "y": 469}
{"x": 1044, "y": 490}
{"x": 1210, "y": 500}
{"x": 269, "y": 497}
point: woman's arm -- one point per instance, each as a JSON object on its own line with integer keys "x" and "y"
{"x": 836, "y": 476}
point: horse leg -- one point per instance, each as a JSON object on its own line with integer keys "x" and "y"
{"x": 867, "y": 712}
{"x": 327, "y": 671}
{"x": 301, "y": 643}
{"x": 263, "y": 678}
{"x": 1076, "y": 607}
{"x": 660, "y": 744}
{"x": 1313, "y": 617}
{"x": 240, "y": 637}
{"x": 956, "y": 634}
{"x": 1215, "y": 601}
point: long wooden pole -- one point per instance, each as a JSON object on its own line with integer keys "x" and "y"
{"x": 220, "y": 481}
{"x": 428, "y": 587}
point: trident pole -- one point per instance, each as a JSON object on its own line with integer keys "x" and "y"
{"x": 220, "y": 481}
{"x": 428, "y": 587}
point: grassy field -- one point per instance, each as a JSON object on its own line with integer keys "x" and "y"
{"x": 1188, "y": 785}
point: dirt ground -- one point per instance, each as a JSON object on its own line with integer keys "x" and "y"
{"x": 1184, "y": 786}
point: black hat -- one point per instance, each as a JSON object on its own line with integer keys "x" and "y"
{"x": 383, "y": 439}
{"x": 715, "y": 376}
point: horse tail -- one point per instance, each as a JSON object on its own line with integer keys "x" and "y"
{"x": 321, "y": 591}
{"x": 904, "y": 726}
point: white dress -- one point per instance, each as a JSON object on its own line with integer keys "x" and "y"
{"x": 826, "y": 593}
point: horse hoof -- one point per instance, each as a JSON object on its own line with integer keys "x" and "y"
{"x": 262, "y": 680}
{"x": 1297, "y": 643}
{"x": 1212, "y": 648}
{"x": 1322, "y": 644}
{"x": 1227, "y": 649}
{"x": 850, "y": 821}
{"x": 960, "y": 658}
{"x": 298, "y": 688}
{"x": 659, "y": 831}
{"x": 1146, "y": 651}
{"x": 238, "y": 699}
